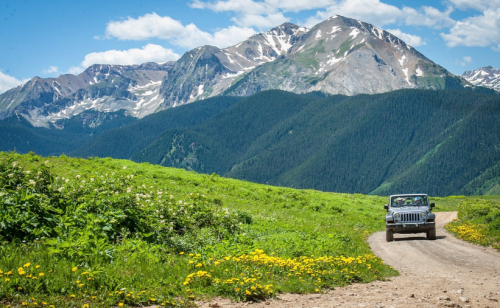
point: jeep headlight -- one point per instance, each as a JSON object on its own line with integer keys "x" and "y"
{"x": 396, "y": 215}
{"x": 423, "y": 214}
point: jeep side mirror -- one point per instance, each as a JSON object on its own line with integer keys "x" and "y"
{"x": 386, "y": 206}
{"x": 433, "y": 205}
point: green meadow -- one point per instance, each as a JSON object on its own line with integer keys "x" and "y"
{"x": 107, "y": 233}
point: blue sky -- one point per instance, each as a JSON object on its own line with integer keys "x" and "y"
{"x": 52, "y": 37}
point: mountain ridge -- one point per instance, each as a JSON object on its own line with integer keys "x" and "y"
{"x": 485, "y": 76}
{"x": 337, "y": 56}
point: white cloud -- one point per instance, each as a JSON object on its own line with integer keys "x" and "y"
{"x": 8, "y": 82}
{"x": 478, "y": 5}
{"x": 239, "y": 6}
{"x": 428, "y": 16}
{"x": 253, "y": 7}
{"x": 260, "y": 21}
{"x": 145, "y": 27}
{"x": 75, "y": 70}
{"x": 482, "y": 31}
{"x": 163, "y": 27}
{"x": 148, "y": 53}
{"x": 50, "y": 70}
{"x": 465, "y": 60}
{"x": 254, "y": 13}
{"x": 413, "y": 40}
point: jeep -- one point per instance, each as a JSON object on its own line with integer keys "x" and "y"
{"x": 409, "y": 213}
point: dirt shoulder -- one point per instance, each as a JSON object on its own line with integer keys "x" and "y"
{"x": 446, "y": 272}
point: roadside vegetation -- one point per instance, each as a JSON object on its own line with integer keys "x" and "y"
{"x": 479, "y": 221}
{"x": 111, "y": 233}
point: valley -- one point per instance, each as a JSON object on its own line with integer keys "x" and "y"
{"x": 249, "y": 175}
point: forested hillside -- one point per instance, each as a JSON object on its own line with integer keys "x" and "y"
{"x": 17, "y": 134}
{"x": 439, "y": 142}
{"x": 126, "y": 141}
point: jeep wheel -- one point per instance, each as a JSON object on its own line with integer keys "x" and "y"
{"x": 431, "y": 234}
{"x": 389, "y": 235}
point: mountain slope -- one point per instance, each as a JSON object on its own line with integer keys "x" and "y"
{"x": 126, "y": 141}
{"x": 381, "y": 144}
{"x": 17, "y": 134}
{"x": 207, "y": 71}
{"x": 486, "y": 76}
{"x": 346, "y": 56}
{"x": 218, "y": 143}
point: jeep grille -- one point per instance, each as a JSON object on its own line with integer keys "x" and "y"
{"x": 407, "y": 217}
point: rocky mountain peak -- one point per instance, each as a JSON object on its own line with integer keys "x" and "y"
{"x": 485, "y": 76}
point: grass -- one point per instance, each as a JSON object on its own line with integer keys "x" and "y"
{"x": 479, "y": 221}
{"x": 106, "y": 233}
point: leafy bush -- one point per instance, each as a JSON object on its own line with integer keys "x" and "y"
{"x": 101, "y": 208}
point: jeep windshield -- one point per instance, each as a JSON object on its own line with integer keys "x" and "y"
{"x": 409, "y": 200}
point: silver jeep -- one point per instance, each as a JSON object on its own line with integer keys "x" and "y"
{"x": 409, "y": 213}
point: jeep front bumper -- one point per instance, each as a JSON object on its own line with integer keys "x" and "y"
{"x": 410, "y": 226}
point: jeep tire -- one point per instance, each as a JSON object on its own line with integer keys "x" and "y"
{"x": 431, "y": 233}
{"x": 389, "y": 235}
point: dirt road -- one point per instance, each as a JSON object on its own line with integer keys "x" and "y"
{"x": 446, "y": 272}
